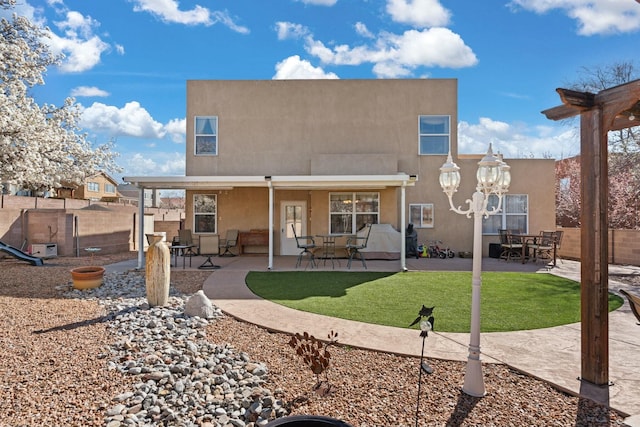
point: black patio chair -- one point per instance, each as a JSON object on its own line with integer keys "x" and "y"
{"x": 355, "y": 245}
{"x": 307, "y": 244}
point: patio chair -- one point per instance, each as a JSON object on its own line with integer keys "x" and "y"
{"x": 512, "y": 246}
{"x": 209, "y": 247}
{"x": 543, "y": 246}
{"x": 355, "y": 245}
{"x": 185, "y": 238}
{"x": 230, "y": 241}
{"x": 634, "y": 303}
{"x": 307, "y": 244}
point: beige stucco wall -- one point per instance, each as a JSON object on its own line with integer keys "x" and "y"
{"x": 299, "y": 127}
{"x": 343, "y": 127}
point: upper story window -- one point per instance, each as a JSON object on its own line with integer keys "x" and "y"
{"x": 93, "y": 186}
{"x": 434, "y": 134}
{"x": 350, "y": 212}
{"x": 206, "y": 133}
{"x": 110, "y": 188}
{"x": 514, "y": 214}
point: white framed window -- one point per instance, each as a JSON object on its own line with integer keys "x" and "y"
{"x": 205, "y": 209}
{"x": 421, "y": 215}
{"x": 350, "y": 212}
{"x": 206, "y": 136}
{"x": 514, "y": 214}
{"x": 93, "y": 186}
{"x": 434, "y": 134}
{"x": 110, "y": 188}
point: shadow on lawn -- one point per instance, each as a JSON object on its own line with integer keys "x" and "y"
{"x": 298, "y": 285}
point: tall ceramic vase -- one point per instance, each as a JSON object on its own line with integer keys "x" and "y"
{"x": 158, "y": 271}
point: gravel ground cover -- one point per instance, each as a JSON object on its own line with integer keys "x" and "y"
{"x": 53, "y": 370}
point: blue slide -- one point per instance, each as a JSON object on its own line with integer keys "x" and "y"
{"x": 20, "y": 255}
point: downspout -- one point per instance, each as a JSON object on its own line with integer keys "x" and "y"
{"x": 268, "y": 179}
{"x": 140, "y": 228}
{"x": 403, "y": 249}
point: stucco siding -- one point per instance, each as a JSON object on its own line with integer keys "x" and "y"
{"x": 283, "y": 125}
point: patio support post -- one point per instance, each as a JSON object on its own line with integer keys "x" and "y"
{"x": 141, "y": 229}
{"x": 403, "y": 249}
{"x": 270, "y": 266}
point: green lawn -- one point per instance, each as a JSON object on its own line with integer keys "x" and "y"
{"x": 510, "y": 301}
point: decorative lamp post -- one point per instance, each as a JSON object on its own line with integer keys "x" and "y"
{"x": 494, "y": 177}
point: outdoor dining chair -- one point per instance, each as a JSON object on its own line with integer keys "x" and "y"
{"x": 355, "y": 245}
{"x": 307, "y": 244}
{"x": 209, "y": 247}
{"x": 185, "y": 238}
{"x": 543, "y": 246}
{"x": 230, "y": 241}
{"x": 512, "y": 246}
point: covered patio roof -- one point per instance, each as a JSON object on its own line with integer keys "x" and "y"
{"x": 276, "y": 181}
{"x": 288, "y": 182}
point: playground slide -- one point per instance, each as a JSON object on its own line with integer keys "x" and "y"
{"x": 20, "y": 255}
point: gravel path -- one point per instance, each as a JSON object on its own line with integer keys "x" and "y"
{"x": 57, "y": 369}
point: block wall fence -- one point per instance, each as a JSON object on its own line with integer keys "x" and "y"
{"x": 77, "y": 224}
{"x": 624, "y": 246}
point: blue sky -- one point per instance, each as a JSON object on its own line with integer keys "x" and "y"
{"x": 127, "y": 61}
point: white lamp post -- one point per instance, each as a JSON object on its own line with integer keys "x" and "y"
{"x": 493, "y": 178}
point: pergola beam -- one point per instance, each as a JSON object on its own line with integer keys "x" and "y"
{"x": 610, "y": 109}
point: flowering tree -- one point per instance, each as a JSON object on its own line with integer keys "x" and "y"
{"x": 568, "y": 192}
{"x": 40, "y": 145}
{"x": 624, "y": 160}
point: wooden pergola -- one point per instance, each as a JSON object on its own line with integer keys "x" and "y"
{"x": 611, "y": 109}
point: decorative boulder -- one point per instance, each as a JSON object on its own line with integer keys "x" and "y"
{"x": 200, "y": 305}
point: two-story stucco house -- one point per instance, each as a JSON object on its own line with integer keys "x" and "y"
{"x": 98, "y": 187}
{"x": 332, "y": 155}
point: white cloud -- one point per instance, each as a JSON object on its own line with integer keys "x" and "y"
{"x": 154, "y": 163}
{"x": 130, "y": 120}
{"x": 398, "y": 55}
{"x": 81, "y": 55}
{"x": 177, "y": 130}
{"x": 517, "y": 141}
{"x": 295, "y": 68}
{"x": 593, "y": 17}
{"x": 88, "y": 91}
{"x": 168, "y": 11}
{"x": 227, "y": 21}
{"x": 289, "y": 30}
{"x": 319, "y": 2}
{"x": 119, "y": 49}
{"x": 82, "y": 48}
{"x": 362, "y": 30}
{"x": 423, "y": 13}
